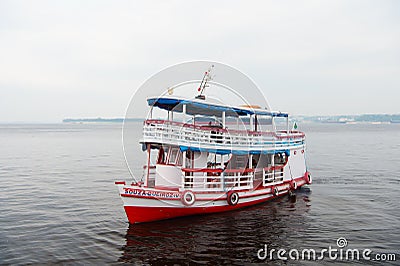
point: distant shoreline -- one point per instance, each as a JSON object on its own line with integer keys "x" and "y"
{"x": 339, "y": 119}
{"x": 100, "y": 120}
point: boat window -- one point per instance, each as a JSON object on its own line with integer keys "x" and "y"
{"x": 173, "y": 155}
{"x": 280, "y": 158}
{"x": 238, "y": 162}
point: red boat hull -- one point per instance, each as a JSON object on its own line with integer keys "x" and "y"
{"x": 147, "y": 207}
{"x": 148, "y": 214}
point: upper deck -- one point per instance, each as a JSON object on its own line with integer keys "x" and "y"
{"x": 217, "y": 138}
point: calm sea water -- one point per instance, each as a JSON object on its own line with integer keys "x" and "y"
{"x": 59, "y": 205}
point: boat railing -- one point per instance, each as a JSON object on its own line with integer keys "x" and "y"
{"x": 177, "y": 133}
{"x": 229, "y": 179}
{"x": 272, "y": 175}
{"x": 217, "y": 180}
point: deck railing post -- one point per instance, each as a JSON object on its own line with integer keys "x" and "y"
{"x": 273, "y": 167}
{"x": 184, "y": 113}
{"x": 273, "y": 124}
{"x": 287, "y": 124}
{"x": 263, "y": 175}
{"x": 223, "y": 181}
{"x": 146, "y": 181}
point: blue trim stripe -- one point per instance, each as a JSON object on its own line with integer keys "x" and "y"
{"x": 236, "y": 152}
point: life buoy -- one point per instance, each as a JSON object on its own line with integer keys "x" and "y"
{"x": 232, "y": 198}
{"x": 293, "y": 185}
{"x": 188, "y": 198}
{"x": 275, "y": 191}
{"x": 308, "y": 178}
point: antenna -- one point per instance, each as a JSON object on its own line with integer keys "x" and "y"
{"x": 206, "y": 78}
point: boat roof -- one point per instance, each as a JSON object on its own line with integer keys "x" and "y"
{"x": 201, "y": 107}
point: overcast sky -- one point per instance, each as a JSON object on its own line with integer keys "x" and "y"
{"x": 75, "y": 59}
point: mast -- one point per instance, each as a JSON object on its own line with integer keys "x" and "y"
{"x": 206, "y": 78}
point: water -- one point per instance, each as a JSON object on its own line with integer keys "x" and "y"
{"x": 59, "y": 205}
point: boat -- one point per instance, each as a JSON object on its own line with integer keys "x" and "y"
{"x": 207, "y": 157}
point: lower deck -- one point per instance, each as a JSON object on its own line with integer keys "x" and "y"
{"x": 170, "y": 168}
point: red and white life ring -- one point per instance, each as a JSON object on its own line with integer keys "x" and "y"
{"x": 308, "y": 178}
{"x": 232, "y": 198}
{"x": 293, "y": 185}
{"x": 188, "y": 198}
{"x": 275, "y": 191}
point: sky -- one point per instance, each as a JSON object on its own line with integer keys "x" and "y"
{"x": 73, "y": 59}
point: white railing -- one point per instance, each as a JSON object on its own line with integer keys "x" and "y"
{"x": 238, "y": 181}
{"x": 219, "y": 182}
{"x": 207, "y": 180}
{"x": 272, "y": 176}
{"x": 175, "y": 133}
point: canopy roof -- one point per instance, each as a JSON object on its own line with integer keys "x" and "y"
{"x": 201, "y": 107}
